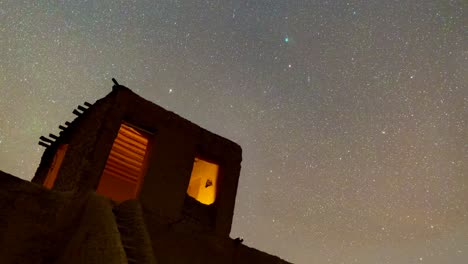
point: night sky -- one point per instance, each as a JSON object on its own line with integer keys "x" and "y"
{"x": 352, "y": 115}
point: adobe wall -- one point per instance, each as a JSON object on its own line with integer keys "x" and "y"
{"x": 133, "y": 232}
{"x": 42, "y": 226}
{"x": 87, "y": 136}
{"x": 29, "y": 217}
{"x": 96, "y": 238}
{"x": 176, "y": 142}
{"x": 177, "y": 242}
{"x": 45, "y": 226}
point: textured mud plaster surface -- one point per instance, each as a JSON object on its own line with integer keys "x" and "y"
{"x": 88, "y": 136}
{"x": 133, "y": 232}
{"x": 42, "y": 226}
{"x": 185, "y": 241}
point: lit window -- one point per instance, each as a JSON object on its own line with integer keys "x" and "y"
{"x": 55, "y": 166}
{"x": 203, "y": 181}
{"x": 125, "y": 166}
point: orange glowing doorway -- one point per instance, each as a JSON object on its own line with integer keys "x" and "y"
{"x": 55, "y": 166}
{"x": 126, "y": 165}
{"x": 203, "y": 183}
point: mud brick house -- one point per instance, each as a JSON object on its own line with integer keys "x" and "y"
{"x": 126, "y": 182}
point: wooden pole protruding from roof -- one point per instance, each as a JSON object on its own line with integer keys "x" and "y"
{"x": 67, "y": 123}
{"x": 82, "y": 108}
{"x": 43, "y": 144}
{"x": 76, "y": 112}
{"x": 116, "y": 86}
{"x": 53, "y": 136}
{"x": 46, "y": 139}
{"x": 87, "y": 104}
{"x": 62, "y": 127}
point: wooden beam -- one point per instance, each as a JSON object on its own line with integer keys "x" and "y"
{"x": 82, "y": 108}
{"x": 119, "y": 176}
{"x": 76, "y": 112}
{"x": 124, "y": 173}
{"x": 87, "y": 104}
{"x": 128, "y": 163}
{"x": 125, "y": 140}
{"x": 132, "y": 136}
{"x": 128, "y": 152}
{"x": 44, "y": 144}
{"x": 53, "y": 136}
{"x": 46, "y": 139}
{"x": 126, "y": 159}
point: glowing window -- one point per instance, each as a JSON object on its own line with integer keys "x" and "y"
{"x": 203, "y": 181}
{"x": 125, "y": 166}
{"x": 55, "y": 166}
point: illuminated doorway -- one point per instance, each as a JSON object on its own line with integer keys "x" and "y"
{"x": 126, "y": 165}
{"x": 203, "y": 181}
{"x": 55, "y": 166}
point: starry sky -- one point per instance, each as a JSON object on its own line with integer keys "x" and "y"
{"x": 352, "y": 115}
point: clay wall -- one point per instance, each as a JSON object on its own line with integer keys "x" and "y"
{"x": 45, "y": 226}
{"x": 175, "y": 143}
{"x": 172, "y": 150}
{"x": 89, "y": 137}
{"x": 178, "y": 242}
